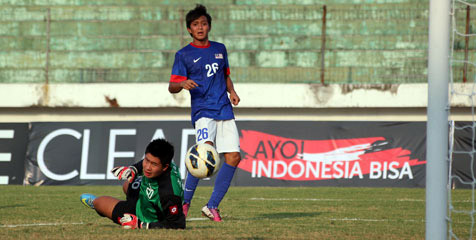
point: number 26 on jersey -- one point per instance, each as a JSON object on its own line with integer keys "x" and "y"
{"x": 211, "y": 69}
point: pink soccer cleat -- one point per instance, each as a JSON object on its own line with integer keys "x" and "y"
{"x": 211, "y": 213}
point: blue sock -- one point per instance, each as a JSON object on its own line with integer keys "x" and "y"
{"x": 190, "y": 186}
{"x": 222, "y": 183}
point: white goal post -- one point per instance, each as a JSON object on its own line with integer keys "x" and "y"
{"x": 437, "y": 120}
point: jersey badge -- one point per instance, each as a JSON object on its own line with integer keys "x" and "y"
{"x": 150, "y": 192}
{"x": 218, "y": 56}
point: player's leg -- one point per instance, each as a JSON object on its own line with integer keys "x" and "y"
{"x": 114, "y": 209}
{"x": 104, "y": 205}
{"x": 228, "y": 143}
{"x": 110, "y": 207}
{"x": 205, "y": 131}
{"x": 223, "y": 180}
{"x": 123, "y": 207}
{"x": 232, "y": 158}
{"x": 191, "y": 183}
{"x": 87, "y": 199}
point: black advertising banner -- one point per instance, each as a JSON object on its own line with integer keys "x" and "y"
{"x": 79, "y": 153}
{"x": 386, "y": 154}
{"x": 274, "y": 153}
{"x": 463, "y": 167}
{"x": 13, "y": 143}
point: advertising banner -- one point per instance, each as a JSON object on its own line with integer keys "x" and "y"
{"x": 386, "y": 154}
{"x": 274, "y": 153}
{"x": 79, "y": 153}
{"x": 13, "y": 144}
{"x": 463, "y": 167}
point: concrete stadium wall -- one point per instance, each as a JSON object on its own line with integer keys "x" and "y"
{"x": 152, "y": 101}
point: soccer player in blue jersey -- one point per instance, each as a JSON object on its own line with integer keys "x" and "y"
{"x": 202, "y": 68}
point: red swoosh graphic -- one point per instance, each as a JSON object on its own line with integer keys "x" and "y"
{"x": 282, "y": 158}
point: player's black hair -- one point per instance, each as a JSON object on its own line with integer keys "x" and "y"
{"x": 162, "y": 149}
{"x": 196, "y": 13}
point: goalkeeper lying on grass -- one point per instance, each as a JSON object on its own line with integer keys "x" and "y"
{"x": 154, "y": 199}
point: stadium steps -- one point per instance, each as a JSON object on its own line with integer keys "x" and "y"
{"x": 135, "y": 41}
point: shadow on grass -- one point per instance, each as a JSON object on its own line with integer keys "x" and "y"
{"x": 113, "y": 226}
{"x": 254, "y": 238}
{"x": 200, "y": 227}
{"x": 280, "y": 215}
{"x": 104, "y": 225}
{"x": 13, "y": 206}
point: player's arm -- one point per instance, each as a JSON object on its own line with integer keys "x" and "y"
{"x": 175, "y": 87}
{"x": 172, "y": 209}
{"x": 179, "y": 77}
{"x": 234, "y": 98}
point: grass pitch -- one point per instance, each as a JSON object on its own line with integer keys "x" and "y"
{"x": 55, "y": 212}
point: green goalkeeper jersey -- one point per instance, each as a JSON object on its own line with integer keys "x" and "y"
{"x": 160, "y": 199}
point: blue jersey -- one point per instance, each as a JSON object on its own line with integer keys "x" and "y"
{"x": 208, "y": 67}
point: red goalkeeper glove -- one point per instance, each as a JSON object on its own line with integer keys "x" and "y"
{"x": 124, "y": 173}
{"x": 129, "y": 221}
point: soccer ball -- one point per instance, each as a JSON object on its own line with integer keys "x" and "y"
{"x": 202, "y": 160}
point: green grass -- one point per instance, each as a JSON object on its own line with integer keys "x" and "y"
{"x": 248, "y": 212}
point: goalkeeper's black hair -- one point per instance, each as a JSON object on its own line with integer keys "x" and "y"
{"x": 162, "y": 149}
{"x": 196, "y": 13}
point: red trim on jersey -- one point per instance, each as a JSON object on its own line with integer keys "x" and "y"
{"x": 228, "y": 71}
{"x": 177, "y": 78}
{"x": 207, "y": 46}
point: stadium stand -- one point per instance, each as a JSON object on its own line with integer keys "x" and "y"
{"x": 270, "y": 41}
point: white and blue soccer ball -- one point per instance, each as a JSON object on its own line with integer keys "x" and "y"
{"x": 202, "y": 160}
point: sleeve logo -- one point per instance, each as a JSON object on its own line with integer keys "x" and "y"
{"x": 173, "y": 210}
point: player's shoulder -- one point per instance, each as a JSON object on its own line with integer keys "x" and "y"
{"x": 217, "y": 44}
{"x": 184, "y": 50}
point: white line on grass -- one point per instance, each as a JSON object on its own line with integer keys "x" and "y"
{"x": 197, "y": 219}
{"x": 334, "y": 199}
{"x": 296, "y": 199}
{"x": 374, "y": 220}
{"x": 410, "y": 200}
{"x": 347, "y": 200}
{"x": 38, "y": 225}
{"x": 359, "y": 220}
{"x": 382, "y": 220}
{"x": 58, "y": 224}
